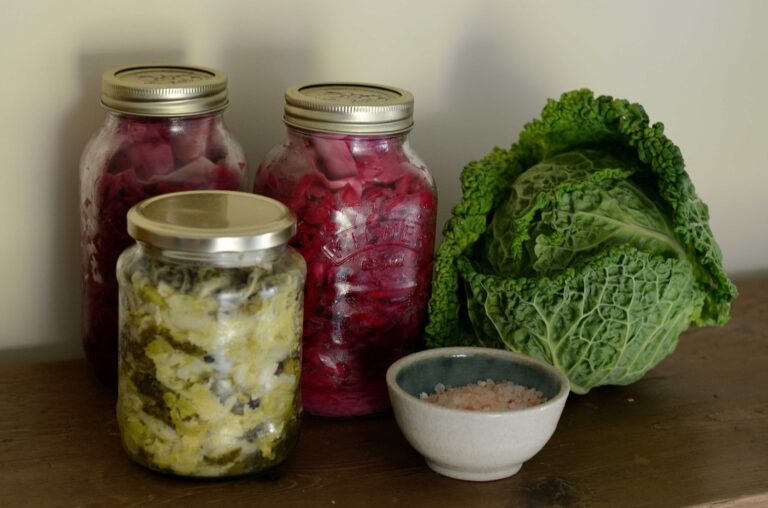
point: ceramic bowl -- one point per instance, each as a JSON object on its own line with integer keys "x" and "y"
{"x": 474, "y": 445}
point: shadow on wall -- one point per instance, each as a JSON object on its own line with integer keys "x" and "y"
{"x": 78, "y": 123}
{"x": 258, "y": 78}
{"x": 491, "y": 90}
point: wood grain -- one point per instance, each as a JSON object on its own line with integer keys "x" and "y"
{"x": 693, "y": 431}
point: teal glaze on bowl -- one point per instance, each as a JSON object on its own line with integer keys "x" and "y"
{"x": 462, "y": 369}
{"x": 474, "y": 445}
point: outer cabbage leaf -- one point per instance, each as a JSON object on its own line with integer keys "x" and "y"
{"x": 608, "y": 323}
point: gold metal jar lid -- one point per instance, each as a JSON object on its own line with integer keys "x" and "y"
{"x": 211, "y": 222}
{"x": 349, "y": 108}
{"x": 164, "y": 90}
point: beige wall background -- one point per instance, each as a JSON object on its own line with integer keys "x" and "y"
{"x": 478, "y": 69}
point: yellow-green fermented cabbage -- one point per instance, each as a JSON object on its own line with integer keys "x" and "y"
{"x": 209, "y": 363}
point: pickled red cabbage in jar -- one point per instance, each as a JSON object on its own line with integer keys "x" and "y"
{"x": 139, "y": 153}
{"x": 366, "y": 227}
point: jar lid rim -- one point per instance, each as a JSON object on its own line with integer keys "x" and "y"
{"x": 164, "y": 90}
{"x": 349, "y": 107}
{"x": 211, "y": 221}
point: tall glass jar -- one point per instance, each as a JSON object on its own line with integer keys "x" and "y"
{"x": 163, "y": 132}
{"x": 365, "y": 204}
{"x": 210, "y": 334}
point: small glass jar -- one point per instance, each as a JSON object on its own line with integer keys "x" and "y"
{"x": 164, "y": 132}
{"x": 210, "y": 334}
{"x": 365, "y": 205}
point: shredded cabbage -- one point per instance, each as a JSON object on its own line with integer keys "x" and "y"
{"x": 209, "y": 364}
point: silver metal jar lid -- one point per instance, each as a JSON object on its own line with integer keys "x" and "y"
{"x": 164, "y": 90}
{"x": 211, "y": 222}
{"x": 349, "y": 108}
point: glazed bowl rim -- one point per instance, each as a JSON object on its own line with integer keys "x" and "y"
{"x": 466, "y": 351}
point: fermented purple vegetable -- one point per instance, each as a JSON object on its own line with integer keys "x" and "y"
{"x": 366, "y": 226}
{"x": 130, "y": 159}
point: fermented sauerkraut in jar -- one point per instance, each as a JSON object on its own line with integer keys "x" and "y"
{"x": 210, "y": 334}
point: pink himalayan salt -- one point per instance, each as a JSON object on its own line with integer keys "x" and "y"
{"x": 485, "y": 396}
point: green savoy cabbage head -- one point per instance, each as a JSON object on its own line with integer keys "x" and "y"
{"x": 584, "y": 245}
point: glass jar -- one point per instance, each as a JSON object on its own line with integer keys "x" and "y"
{"x": 164, "y": 132}
{"x": 365, "y": 205}
{"x": 210, "y": 334}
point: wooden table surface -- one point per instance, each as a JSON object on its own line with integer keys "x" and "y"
{"x": 693, "y": 431}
